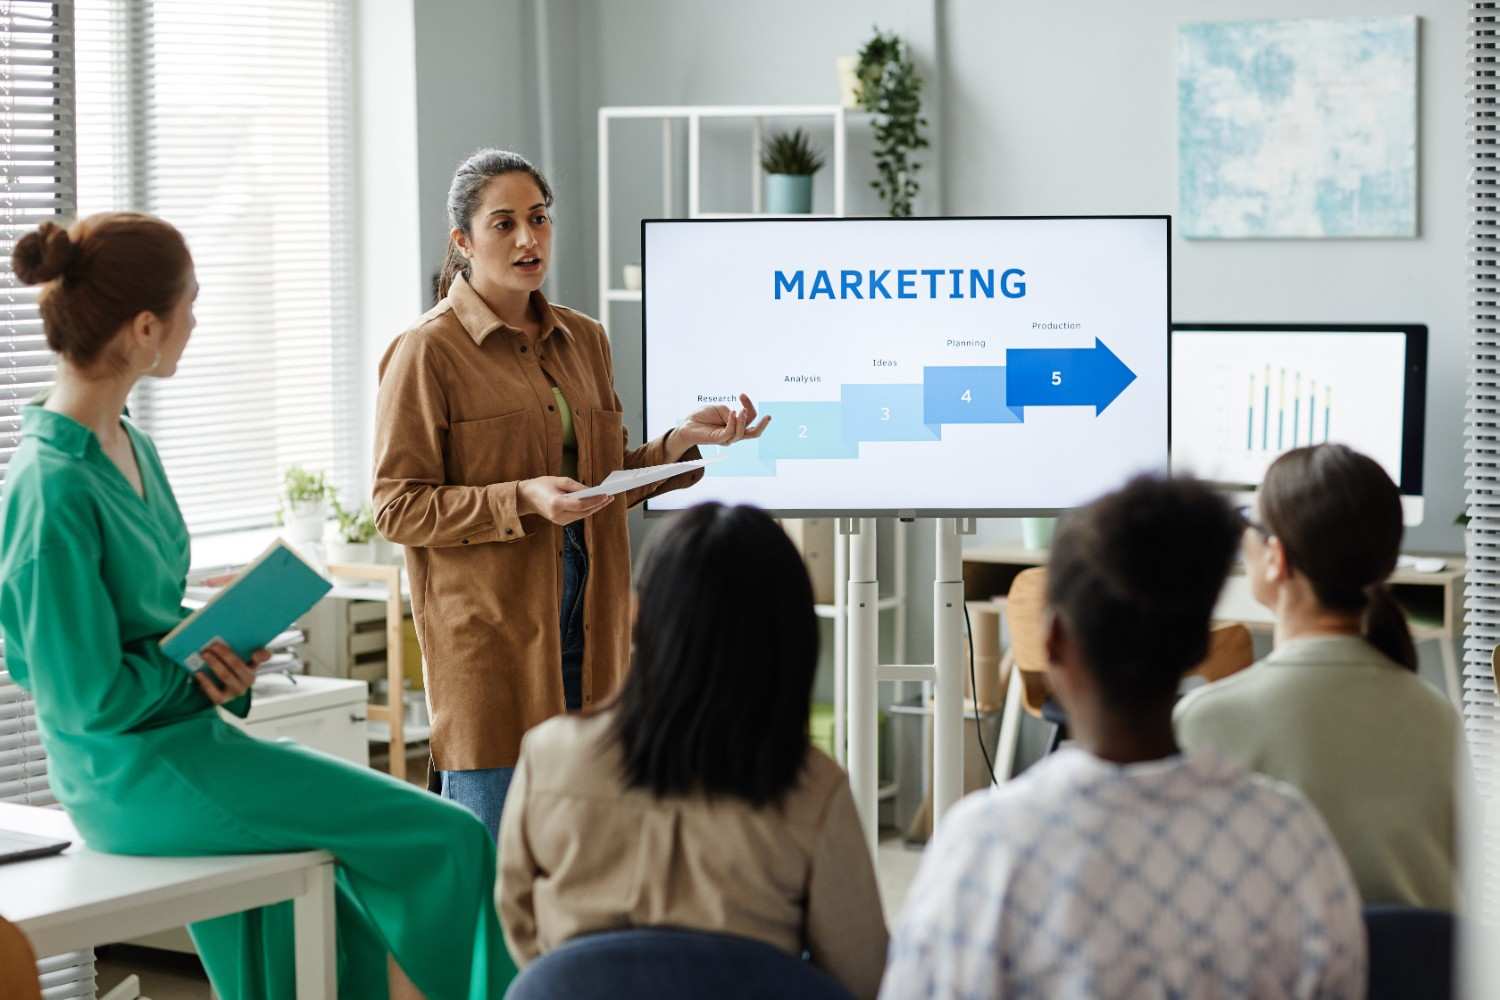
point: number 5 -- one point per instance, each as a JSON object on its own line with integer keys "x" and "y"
{"x": 1057, "y": 378}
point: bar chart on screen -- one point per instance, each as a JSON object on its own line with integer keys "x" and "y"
{"x": 1239, "y": 401}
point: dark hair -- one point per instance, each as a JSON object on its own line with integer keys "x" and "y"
{"x": 719, "y": 692}
{"x": 463, "y": 201}
{"x": 1134, "y": 576}
{"x": 99, "y": 275}
{"x": 1338, "y": 516}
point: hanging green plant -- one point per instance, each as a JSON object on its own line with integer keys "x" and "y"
{"x": 790, "y": 153}
{"x": 891, "y": 88}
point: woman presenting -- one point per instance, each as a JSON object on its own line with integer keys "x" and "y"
{"x": 492, "y": 407}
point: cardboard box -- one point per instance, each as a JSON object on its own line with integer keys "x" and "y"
{"x": 814, "y": 538}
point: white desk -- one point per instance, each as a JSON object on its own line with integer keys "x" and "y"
{"x": 82, "y": 898}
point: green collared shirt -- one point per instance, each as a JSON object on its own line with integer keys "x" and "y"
{"x": 92, "y": 575}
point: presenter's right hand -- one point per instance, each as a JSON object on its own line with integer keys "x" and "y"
{"x": 548, "y": 496}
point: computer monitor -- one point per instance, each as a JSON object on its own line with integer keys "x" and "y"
{"x": 1244, "y": 393}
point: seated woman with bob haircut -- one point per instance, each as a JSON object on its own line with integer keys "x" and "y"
{"x": 694, "y": 799}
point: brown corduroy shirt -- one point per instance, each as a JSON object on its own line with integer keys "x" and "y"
{"x": 465, "y": 411}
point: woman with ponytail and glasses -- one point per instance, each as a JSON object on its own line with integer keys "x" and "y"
{"x": 1337, "y": 709}
{"x": 494, "y": 408}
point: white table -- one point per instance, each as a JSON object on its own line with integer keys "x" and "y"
{"x": 82, "y": 898}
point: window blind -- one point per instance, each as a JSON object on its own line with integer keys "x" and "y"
{"x": 1482, "y": 593}
{"x": 233, "y": 122}
{"x": 37, "y": 163}
{"x": 37, "y": 159}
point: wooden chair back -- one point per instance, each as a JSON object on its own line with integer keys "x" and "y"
{"x": 1231, "y": 647}
{"x": 18, "y": 975}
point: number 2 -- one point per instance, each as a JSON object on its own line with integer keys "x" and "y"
{"x": 802, "y": 431}
{"x": 967, "y": 397}
{"x": 1057, "y": 378}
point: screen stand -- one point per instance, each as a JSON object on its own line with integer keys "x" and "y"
{"x": 865, "y": 672}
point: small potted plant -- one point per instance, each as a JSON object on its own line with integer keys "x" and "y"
{"x": 789, "y": 161}
{"x": 304, "y": 504}
{"x": 355, "y": 540}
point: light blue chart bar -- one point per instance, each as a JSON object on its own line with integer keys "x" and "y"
{"x": 886, "y": 413}
{"x": 966, "y": 394}
{"x": 741, "y": 459}
{"x": 805, "y": 430}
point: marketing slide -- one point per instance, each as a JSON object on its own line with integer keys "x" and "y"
{"x": 934, "y": 366}
{"x": 1241, "y": 398}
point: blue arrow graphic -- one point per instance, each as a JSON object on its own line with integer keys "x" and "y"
{"x": 1089, "y": 376}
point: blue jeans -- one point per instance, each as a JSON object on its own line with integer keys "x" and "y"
{"x": 483, "y": 791}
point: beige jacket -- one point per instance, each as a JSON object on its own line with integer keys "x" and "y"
{"x": 466, "y": 411}
{"x": 1373, "y": 746}
{"x": 579, "y": 853}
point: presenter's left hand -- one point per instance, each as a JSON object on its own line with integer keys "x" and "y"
{"x": 718, "y": 425}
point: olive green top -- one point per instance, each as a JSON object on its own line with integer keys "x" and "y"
{"x": 570, "y": 436}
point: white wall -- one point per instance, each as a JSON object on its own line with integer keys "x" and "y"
{"x": 387, "y": 224}
{"x": 1070, "y": 106}
{"x": 474, "y": 89}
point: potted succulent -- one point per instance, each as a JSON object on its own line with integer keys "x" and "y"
{"x": 355, "y": 539}
{"x": 304, "y": 504}
{"x": 891, "y": 89}
{"x": 789, "y": 161}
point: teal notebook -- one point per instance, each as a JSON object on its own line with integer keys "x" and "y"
{"x": 271, "y": 593}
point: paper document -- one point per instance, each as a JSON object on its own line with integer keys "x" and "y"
{"x": 629, "y": 479}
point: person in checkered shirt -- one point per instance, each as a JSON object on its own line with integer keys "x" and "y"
{"x": 1121, "y": 867}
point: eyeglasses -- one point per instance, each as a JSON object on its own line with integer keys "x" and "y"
{"x": 1247, "y": 518}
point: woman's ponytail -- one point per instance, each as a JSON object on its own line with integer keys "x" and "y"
{"x": 454, "y": 264}
{"x": 1384, "y": 627}
{"x": 1338, "y": 516}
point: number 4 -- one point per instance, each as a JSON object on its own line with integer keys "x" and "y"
{"x": 1057, "y": 378}
{"x": 967, "y": 397}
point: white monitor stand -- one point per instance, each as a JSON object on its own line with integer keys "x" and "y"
{"x": 865, "y": 671}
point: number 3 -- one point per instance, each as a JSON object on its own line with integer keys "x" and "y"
{"x": 1057, "y": 378}
{"x": 885, "y": 413}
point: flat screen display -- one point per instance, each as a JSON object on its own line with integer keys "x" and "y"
{"x": 931, "y": 367}
{"x": 1242, "y": 395}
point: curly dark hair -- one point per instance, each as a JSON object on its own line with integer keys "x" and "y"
{"x": 1135, "y": 576}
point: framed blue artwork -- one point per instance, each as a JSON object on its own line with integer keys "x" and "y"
{"x": 1297, "y": 128}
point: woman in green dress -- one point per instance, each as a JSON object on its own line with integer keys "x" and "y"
{"x": 93, "y": 563}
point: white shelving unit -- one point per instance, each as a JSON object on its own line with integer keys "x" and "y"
{"x": 695, "y": 115}
{"x": 758, "y": 115}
